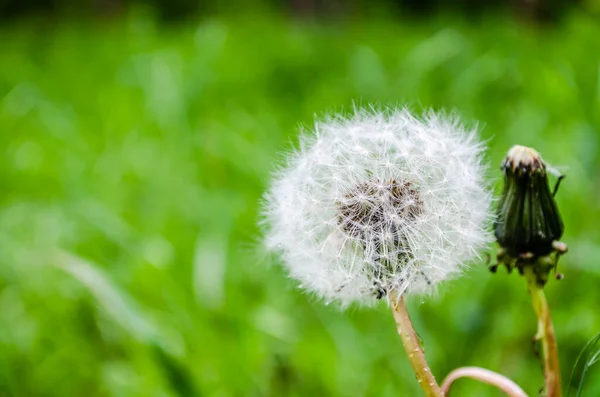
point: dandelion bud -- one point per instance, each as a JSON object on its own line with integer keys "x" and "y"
{"x": 528, "y": 218}
{"x": 528, "y": 223}
{"x": 379, "y": 201}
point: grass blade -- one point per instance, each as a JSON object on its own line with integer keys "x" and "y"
{"x": 593, "y": 355}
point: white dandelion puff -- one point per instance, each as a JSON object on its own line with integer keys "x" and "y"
{"x": 379, "y": 202}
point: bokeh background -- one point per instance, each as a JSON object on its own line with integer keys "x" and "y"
{"x": 136, "y": 140}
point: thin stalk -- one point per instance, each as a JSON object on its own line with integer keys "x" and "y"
{"x": 415, "y": 353}
{"x": 545, "y": 334}
{"x": 486, "y": 376}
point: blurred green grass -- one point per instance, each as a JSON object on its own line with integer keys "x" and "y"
{"x": 133, "y": 159}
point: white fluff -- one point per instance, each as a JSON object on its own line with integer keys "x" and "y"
{"x": 436, "y": 157}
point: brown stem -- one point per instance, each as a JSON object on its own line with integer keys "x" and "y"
{"x": 486, "y": 376}
{"x": 545, "y": 334}
{"x": 415, "y": 353}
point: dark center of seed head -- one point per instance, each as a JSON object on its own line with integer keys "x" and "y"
{"x": 379, "y": 208}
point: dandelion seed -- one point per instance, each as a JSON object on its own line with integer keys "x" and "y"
{"x": 379, "y": 201}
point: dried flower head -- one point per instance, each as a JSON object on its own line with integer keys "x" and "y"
{"x": 379, "y": 201}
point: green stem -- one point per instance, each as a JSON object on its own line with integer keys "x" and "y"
{"x": 415, "y": 353}
{"x": 545, "y": 334}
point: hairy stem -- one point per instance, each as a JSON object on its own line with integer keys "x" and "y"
{"x": 545, "y": 334}
{"x": 486, "y": 376}
{"x": 415, "y": 353}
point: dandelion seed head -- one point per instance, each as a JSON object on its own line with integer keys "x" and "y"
{"x": 379, "y": 201}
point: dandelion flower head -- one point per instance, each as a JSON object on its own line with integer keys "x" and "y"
{"x": 379, "y": 201}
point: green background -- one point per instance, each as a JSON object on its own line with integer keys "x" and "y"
{"x": 133, "y": 156}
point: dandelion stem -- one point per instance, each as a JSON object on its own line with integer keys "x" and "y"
{"x": 415, "y": 353}
{"x": 486, "y": 376}
{"x": 545, "y": 334}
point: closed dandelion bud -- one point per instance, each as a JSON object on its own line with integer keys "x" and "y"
{"x": 528, "y": 223}
{"x": 379, "y": 201}
{"x": 528, "y": 219}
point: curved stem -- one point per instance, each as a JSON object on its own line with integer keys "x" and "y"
{"x": 545, "y": 334}
{"x": 486, "y": 376}
{"x": 415, "y": 353}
